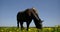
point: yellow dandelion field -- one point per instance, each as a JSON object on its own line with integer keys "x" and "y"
{"x": 32, "y": 29}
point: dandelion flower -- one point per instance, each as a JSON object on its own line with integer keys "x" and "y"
{"x": 10, "y": 31}
{"x": 2, "y": 30}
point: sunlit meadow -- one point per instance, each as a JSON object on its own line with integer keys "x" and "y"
{"x": 31, "y": 29}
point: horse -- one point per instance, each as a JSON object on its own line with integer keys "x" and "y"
{"x": 27, "y": 16}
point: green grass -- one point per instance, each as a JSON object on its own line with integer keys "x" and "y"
{"x": 31, "y": 29}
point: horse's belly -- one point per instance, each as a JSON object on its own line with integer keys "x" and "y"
{"x": 24, "y": 19}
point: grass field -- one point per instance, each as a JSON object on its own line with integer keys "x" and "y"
{"x": 31, "y": 29}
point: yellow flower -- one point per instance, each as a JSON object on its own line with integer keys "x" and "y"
{"x": 50, "y": 29}
{"x": 29, "y": 29}
{"x": 10, "y": 31}
{"x": 2, "y": 30}
{"x": 17, "y": 30}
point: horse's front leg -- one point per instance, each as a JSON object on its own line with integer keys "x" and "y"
{"x": 28, "y": 23}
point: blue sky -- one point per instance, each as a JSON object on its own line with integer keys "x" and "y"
{"x": 48, "y": 10}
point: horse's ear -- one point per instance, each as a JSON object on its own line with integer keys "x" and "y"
{"x": 35, "y": 10}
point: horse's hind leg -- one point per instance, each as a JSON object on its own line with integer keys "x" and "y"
{"x": 18, "y": 24}
{"x": 21, "y": 24}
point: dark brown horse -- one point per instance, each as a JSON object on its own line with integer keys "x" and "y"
{"x": 27, "y": 16}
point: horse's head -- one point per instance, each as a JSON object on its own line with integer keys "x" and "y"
{"x": 38, "y": 23}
